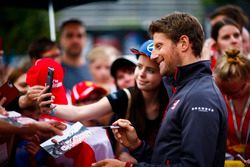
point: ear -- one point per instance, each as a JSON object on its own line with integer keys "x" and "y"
{"x": 184, "y": 43}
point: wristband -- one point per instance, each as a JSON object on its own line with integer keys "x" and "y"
{"x": 53, "y": 112}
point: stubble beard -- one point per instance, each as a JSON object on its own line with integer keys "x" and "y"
{"x": 73, "y": 54}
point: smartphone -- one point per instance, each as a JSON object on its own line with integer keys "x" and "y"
{"x": 9, "y": 91}
{"x": 49, "y": 81}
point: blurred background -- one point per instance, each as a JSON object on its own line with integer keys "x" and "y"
{"x": 121, "y": 23}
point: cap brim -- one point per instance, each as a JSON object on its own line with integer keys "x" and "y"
{"x": 137, "y": 52}
{"x": 101, "y": 91}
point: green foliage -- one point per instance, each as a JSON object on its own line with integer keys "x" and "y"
{"x": 218, "y": 2}
{"x": 19, "y": 27}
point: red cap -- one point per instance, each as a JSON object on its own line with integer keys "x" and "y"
{"x": 37, "y": 75}
{"x": 83, "y": 90}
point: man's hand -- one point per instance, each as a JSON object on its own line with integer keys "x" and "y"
{"x": 126, "y": 134}
{"x": 109, "y": 163}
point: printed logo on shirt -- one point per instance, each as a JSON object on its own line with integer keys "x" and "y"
{"x": 202, "y": 109}
{"x": 175, "y": 104}
{"x": 56, "y": 84}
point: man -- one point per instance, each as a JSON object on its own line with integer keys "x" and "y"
{"x": 193, "y": 131}
{"x": 72, "y": 40}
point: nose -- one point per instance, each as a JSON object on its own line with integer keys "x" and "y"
{"x": 234, "y": 40}
{"x": 154, "y": 55}
{"x": 142, "y": 72}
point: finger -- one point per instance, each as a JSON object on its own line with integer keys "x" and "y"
{"x": 56, "y": 131}
{"x": 46, "y": 103}
{"x": 59, "y": 125}
{"x": 43, "y": 96}
{"x": 35, "y": 91}
{"x": 3, "y": 100}
{"x": 45, "y": 89}
{"x": 123, "y": 123}
{"x": 36, "y": 139}
{"x": 99, "y": 164}
{"x": 38, "y": 87}
{"x": 31, "y": 148}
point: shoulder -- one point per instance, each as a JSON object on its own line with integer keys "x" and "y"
{"x": 118, "y": 95}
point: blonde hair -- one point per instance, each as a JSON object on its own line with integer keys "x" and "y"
{"x": 103, "y": 52}
{"x": 232, "y": 65}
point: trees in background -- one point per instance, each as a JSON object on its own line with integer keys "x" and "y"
{"x": 18, "y": 27}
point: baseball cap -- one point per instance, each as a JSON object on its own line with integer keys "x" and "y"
{"x": 37, "y": 75}
{"x": 145, "y": 49}
{"x": 124, "y": 61}
{"x": 83, "y": 90}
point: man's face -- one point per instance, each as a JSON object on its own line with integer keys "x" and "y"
{"x": 73, "y": 40}
{"x": 165, "y": 54}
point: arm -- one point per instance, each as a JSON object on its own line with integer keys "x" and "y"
{"x": 127, "y": 136}
{"x": 74, "y": 113}
{"x": 86, "y": 112}
{"x": 52, "y": 128}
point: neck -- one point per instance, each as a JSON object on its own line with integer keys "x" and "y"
{"x": 75, "y": 62}
{"x": 152, "y": 104}
{"x": 189, "y": 58}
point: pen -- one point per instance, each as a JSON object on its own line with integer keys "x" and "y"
{"x": 111, "y": 127}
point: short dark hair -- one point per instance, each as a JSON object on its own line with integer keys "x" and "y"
{"x": 70, "y": 22}
{"x": 218, "y": 25}
{"x": 177, "y": 24}
{"x": 233, "y": 12}
{"x": 40, "y": 46}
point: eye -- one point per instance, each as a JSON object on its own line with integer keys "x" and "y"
{"x": 139, "y": 66}
{"x": 226, "y": 37}
{"x": 236, "y": 35}
{"x": 157, "y": 46}
{"x": 69, "y": 35}
{"x": 150, "y": 70}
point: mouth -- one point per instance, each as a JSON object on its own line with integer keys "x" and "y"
{"x": 140, "y": 82}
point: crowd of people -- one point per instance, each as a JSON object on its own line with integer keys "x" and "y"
{"x": 177, "y": 100}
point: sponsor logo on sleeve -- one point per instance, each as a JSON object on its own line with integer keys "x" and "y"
{"x": 202, "y": 109}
